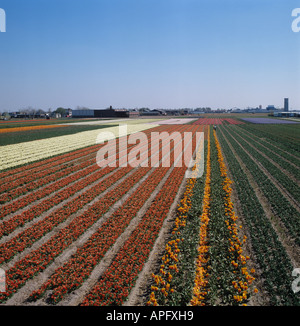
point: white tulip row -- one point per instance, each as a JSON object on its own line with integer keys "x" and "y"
{"x": 23, "y": 153}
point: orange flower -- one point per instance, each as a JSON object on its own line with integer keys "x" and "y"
{"x": 7, "y": 130}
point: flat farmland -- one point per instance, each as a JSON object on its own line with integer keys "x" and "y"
{"x": 78, "y": 227}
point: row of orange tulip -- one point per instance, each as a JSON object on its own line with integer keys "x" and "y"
{"x": 164, "y": 279}
{"x": 27, "y": 128}
{"x": 243, "y": 277}
{"x": 202, "y": 267}
{"x": 164, "y": 286}
{"x": 119, "y": 279}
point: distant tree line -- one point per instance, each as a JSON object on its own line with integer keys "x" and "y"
{"x": 33, "y": 112}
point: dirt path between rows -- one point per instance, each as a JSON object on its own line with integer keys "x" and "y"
{"x": 78, "y": 295}
{"x": 139, "y": 295}
{"x": 45, "y": 166}
{"x": 20, "y": 297}
{"x": 55, "y": 208}
{"x": 51, "y": 209}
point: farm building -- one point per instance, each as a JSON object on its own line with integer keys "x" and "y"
{"x": 286, "y": 114}
{"x": 101, "y": 113}
{"x": 155, "y": 112}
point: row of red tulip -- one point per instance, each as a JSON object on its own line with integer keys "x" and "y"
{"x": 85, "y": 178}
{"x": 40, "y": 181}
{"x": 67, "y": 278}
{"x": 84, "y": 169}
{"x": 115, "y": 284}
{"x": 217, "y": 121}
{"x": 37, "y": 260}
{"x": 30, "y": 235}
{"x": 31, "y": 172}
{"x": 51, "y": 172}
{"x": 48, "y": 165}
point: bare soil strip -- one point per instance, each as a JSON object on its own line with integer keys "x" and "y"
{"x": 78, "y": 295}
{"x": 33, "y": 284}
{"x": 56, "y": 229}
{"x": 47, "y": 197}
{"x": 122, "y": 153}
{"x": 138, "y": 295}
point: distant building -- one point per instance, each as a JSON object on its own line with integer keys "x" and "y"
{"x": 56, "y": 115}
{"x": 134, "y": 114}
{"x": 83, "y": 114}
{"x": 154, "y": 112}
{"x": 286, "y": 114}
{"x": 101, "y": 113}
{"x": 69, "y": 113}
{"x": 286, "y": 105}
{"x": 270, "y": 107}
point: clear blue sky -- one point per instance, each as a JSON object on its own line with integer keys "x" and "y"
{"x": 148, "y": 53}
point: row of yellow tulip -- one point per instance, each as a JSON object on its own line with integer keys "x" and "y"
{"x": 23, "y": 153}
{"x": 201, "y": 280}
{"x": 243, "y": 277}
{"x": 163, "y": 285}
{"x": 166, "y": 283}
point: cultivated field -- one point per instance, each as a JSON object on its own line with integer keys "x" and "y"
{"x": 74, "y": 233}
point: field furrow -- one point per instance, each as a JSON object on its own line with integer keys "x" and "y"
{"x": 74, "y": 229}
{"x": 274, "y": 262}
{"x": 184, "y": 212}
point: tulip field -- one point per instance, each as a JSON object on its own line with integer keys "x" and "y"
{"x": 74, "y": 233}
